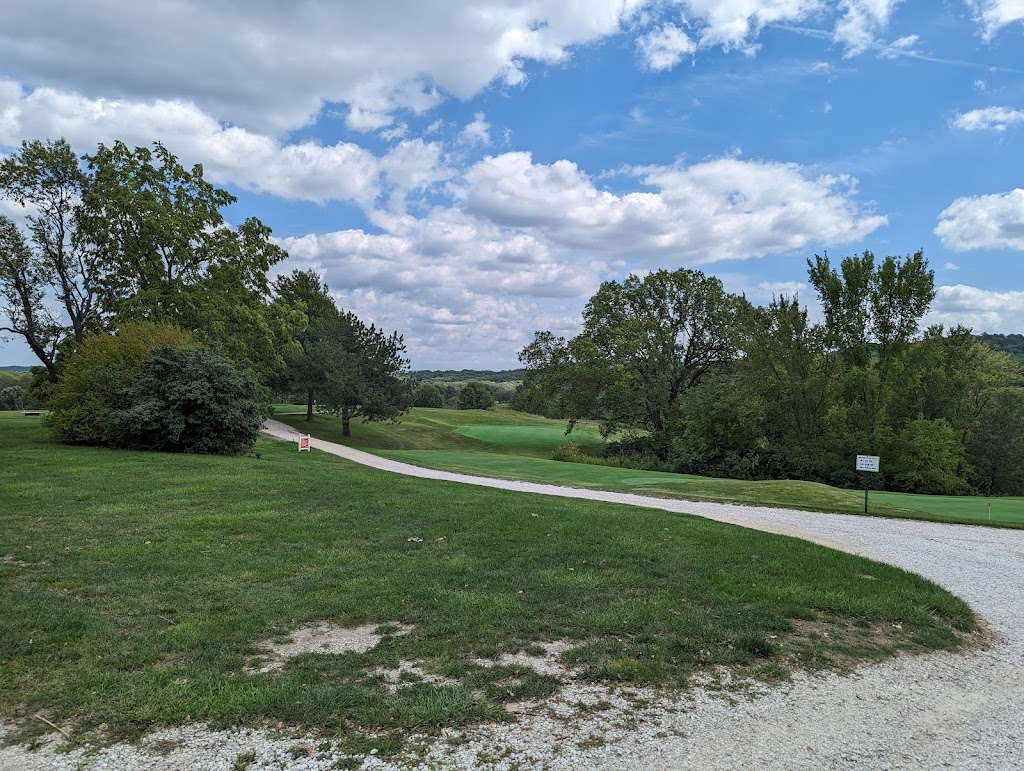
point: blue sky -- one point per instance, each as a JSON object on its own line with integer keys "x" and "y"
{"x": 470, "y": 172}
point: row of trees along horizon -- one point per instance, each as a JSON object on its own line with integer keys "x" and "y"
{"x": 685, "y": 377}
{"x": 136, "y": 295}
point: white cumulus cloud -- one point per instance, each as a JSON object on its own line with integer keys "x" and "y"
{"x": 993, "y": 15}
{"x": 462, "y": 289}
{"x": 984, "y": 222}
{"x": 988, "y": 119}
{"x": 720, "y": 209}
{"x": 983, "y": 310}
{"x": 665, "y": 47}
{"x": 273, "y": 66}
{"x": 232, "y": 155}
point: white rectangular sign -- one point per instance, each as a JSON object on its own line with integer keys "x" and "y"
{"x": 303, "y": 442}
{"x": 867, "y": 463}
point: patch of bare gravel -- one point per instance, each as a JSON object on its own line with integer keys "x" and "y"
{"x": 407, "y": 673}
{"x": 322, "y": 637}
{"x": 547, "y": 663}
{"x": 961, "y": 711}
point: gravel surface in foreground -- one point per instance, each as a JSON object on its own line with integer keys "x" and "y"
{"x": 937, "y": 711}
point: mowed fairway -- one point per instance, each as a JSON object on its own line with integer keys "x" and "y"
{"x": 510, "y": 445}
{"x": 136, "y": 588}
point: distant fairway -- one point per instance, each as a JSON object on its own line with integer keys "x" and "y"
{"x": 510, "y": 445}
{"x": 518, "y": 436}
{"x": 962, "y": 508}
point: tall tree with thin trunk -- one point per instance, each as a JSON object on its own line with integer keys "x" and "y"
{"x": 305, "y": 372}
{"x": 52, "y": 263}
{"x": 364, "y": 368}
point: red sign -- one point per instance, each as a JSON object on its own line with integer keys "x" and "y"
{"x": 303, "y": 442}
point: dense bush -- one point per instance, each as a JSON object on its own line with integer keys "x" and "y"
{"x": 995, "y": 451}
{"x": 475, "y": 396}
{"x": 428, "y": 395}
{"x": 925, "y": 457}
{"x": 189, "y": 400}
{"x": 12, "y": 398}
{"x": 93, "y": 381}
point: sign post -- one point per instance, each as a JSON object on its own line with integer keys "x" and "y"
{"x": 304, "y": 442}
{"x": 867, "y": 463}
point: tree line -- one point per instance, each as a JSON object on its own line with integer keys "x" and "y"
{"x": 126, "y": 272}
{"x": 684, "y": 376}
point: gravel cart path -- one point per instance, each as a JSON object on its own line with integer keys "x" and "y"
{"x": 936, "y": 711}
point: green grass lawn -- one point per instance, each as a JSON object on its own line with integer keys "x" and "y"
{"x": 511, "y": 446}
{"x": 136, "y": 587}
{"x": 973, "y": 509}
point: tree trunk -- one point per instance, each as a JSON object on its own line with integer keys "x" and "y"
{"x": 345, "y": 418}
{"x": 309, "y": 407}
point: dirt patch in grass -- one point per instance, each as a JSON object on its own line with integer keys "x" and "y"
{"x": 543, "y": 658}
{"x": 323, "y": 637}
{"x": 10, "y": 559}
{"x": 408, "y": 673}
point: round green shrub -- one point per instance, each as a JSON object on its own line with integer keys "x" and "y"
{"x": 428, "y": 395}
{"x": 93, "y": 379}
{"x": 475, "y": 396}
{"x": 189, "y": 400}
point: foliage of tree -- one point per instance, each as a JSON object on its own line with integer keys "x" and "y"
{"x": 464, "y": 375}
{"x": 336, "y": 362}
{"x": 645, "y": 343}
{"x": 775, "y": 396}
{"x": 169, "y": 256}
{"x": 132, "y": 236}
{"x": 1009, "y": 344}
{"x": 189, "y": 400}
{"x": 45, "y": 179}
{"x": 21, "y": 378}
{"x": 427, "y": 395}
{"x": 475, "y": 395}
{"x": 363, "y": 370}
{"x": 92, "y": 385}
{"x": 995, "y": 451}
{"x": 12, "y": 398}
{"x": 305, "y": 371}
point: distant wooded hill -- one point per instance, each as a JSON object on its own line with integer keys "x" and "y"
{"x": 12, "y": 368}
{"x": 462, "y": 375}
{"x": 1010, "y": 344}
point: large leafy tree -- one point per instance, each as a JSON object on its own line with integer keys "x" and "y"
{"x": 475, "y": 395}
{"x": 132, "y": 236}
{"x": 48, "y": 262}
{"x": 872, "y": 314}
{"x": 645, "y": 343}
{"x": 869, "y": 305}
{"x": 169, "y": 256}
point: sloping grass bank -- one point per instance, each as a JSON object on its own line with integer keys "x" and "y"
{"x": 136, "y": 587}
{"x": 502, "y": 444}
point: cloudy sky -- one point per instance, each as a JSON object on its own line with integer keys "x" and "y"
{"x": 469, "y": 171}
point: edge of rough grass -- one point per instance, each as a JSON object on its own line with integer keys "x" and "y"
{"x": 137, "y": 587}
